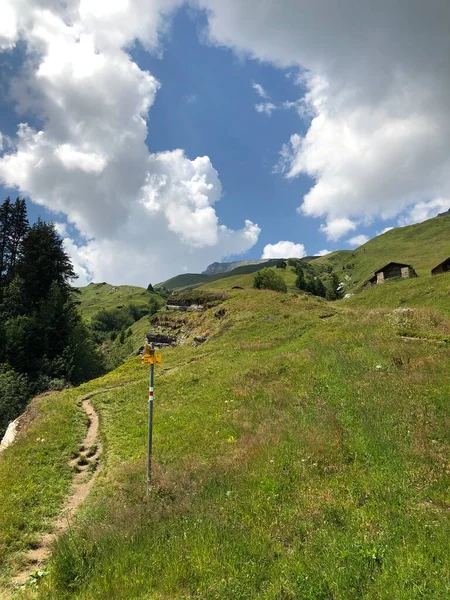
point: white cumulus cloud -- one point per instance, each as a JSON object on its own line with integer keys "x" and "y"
{"x": 141, "y": 217}
{"x": 424, "y": 210}
{"x": 378, "y": 133}
{"x": 358, "y": 240}
{"x": 323, "y": 252}
{"x": 385, "y": 230}
{"x": 336, "y": 228}
{"x": 284, "y": 249}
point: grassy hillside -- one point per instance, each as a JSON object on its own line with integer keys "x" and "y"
{"x": 423, "y": 245}
{"x": 283, "y": 468}
{"x": 184, "y": 280}
{"x": 246, "y": 281}
{"x": 432, "y": 291}
{"x": 195, "y": 279}
{"x": 96, "y": 296}
{"x": 116, "y": 351}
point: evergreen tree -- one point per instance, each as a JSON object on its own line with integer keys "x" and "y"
{"x": 42, "y": 336}
{"x": 19, "y": 228}
{"x": 307, "y": 282}
{"x": 2, "y": 342}
{"x": 54, "y": 317}
{"x": 154, "y": 304}
{"x": 24, "y": 345}
{"x": 333, "y": 291}
{"x": 319, "y": 288}
{"x": 13, "y": 228}
{"x": 5, "y": 232}
{"x": 14, "y": 394}
{"x": 14, "y": 303}
{"x": 82, "y": 360}
{"x": 300, "y": 281}
{"x": 42, "y": 262}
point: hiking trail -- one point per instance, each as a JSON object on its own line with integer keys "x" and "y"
{"x": 86, "y": 467}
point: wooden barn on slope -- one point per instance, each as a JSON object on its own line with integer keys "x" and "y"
{"x": 442, "y": 267}
{"x": 391, "y": 270}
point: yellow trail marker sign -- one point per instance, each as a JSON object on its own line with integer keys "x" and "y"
{"x": 149, "y": 359}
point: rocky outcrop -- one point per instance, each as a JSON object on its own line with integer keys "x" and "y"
{"x": 185, "y": 308}
{"x": 159, "y": 339}
{"x": 178, "y": 323}
{"x": 10, "y": 435}
{"x": 444, "y": 214}
{"x": 193, "y": 300}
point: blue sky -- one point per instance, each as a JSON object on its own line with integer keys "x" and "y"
{"x": 206, "y": 105}
{"x": 115, "y": 183}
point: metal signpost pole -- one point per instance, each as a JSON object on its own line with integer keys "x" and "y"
{"x": 150, "y": 421}
{"x": 150, "y": 358}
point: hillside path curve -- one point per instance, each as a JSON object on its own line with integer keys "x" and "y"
{"x": 86, "y": 466}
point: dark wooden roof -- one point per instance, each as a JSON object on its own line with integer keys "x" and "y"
{"x": 441, "y": 263}
{"x": 391, "y": 263}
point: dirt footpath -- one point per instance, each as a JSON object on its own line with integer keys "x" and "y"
{"x": 86, "y": 467}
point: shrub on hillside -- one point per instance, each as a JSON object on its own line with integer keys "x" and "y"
{"x": 268, "y": 279}
{"x": 14, "y": 395}
{"x": 106, "y": 322}
{"x": 310, "y": 282}
{"x": 334, "y": 290}
{"x": 293, "y": 262}
{"x": 154, "y": 304}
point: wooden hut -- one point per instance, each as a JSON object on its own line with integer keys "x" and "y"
{"x": 392, "y": 270}
{"x": 443, "y": 267}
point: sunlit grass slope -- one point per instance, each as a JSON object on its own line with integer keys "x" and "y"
{"x": 246, "y": 281}
{"x": 96, "y": 296}
{"x": 35, "y": 475}
{"x": 423, "y": 245}
{"x": 300, "y": 453}
{"x": 428, "y": 290}
{"x": 185, "y": 280}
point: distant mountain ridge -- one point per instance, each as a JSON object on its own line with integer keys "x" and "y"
{"x": 225, "y": 267}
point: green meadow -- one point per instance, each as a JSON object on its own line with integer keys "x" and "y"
{"x": 301, "y": 452}
{"x": 96, "y": 296}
